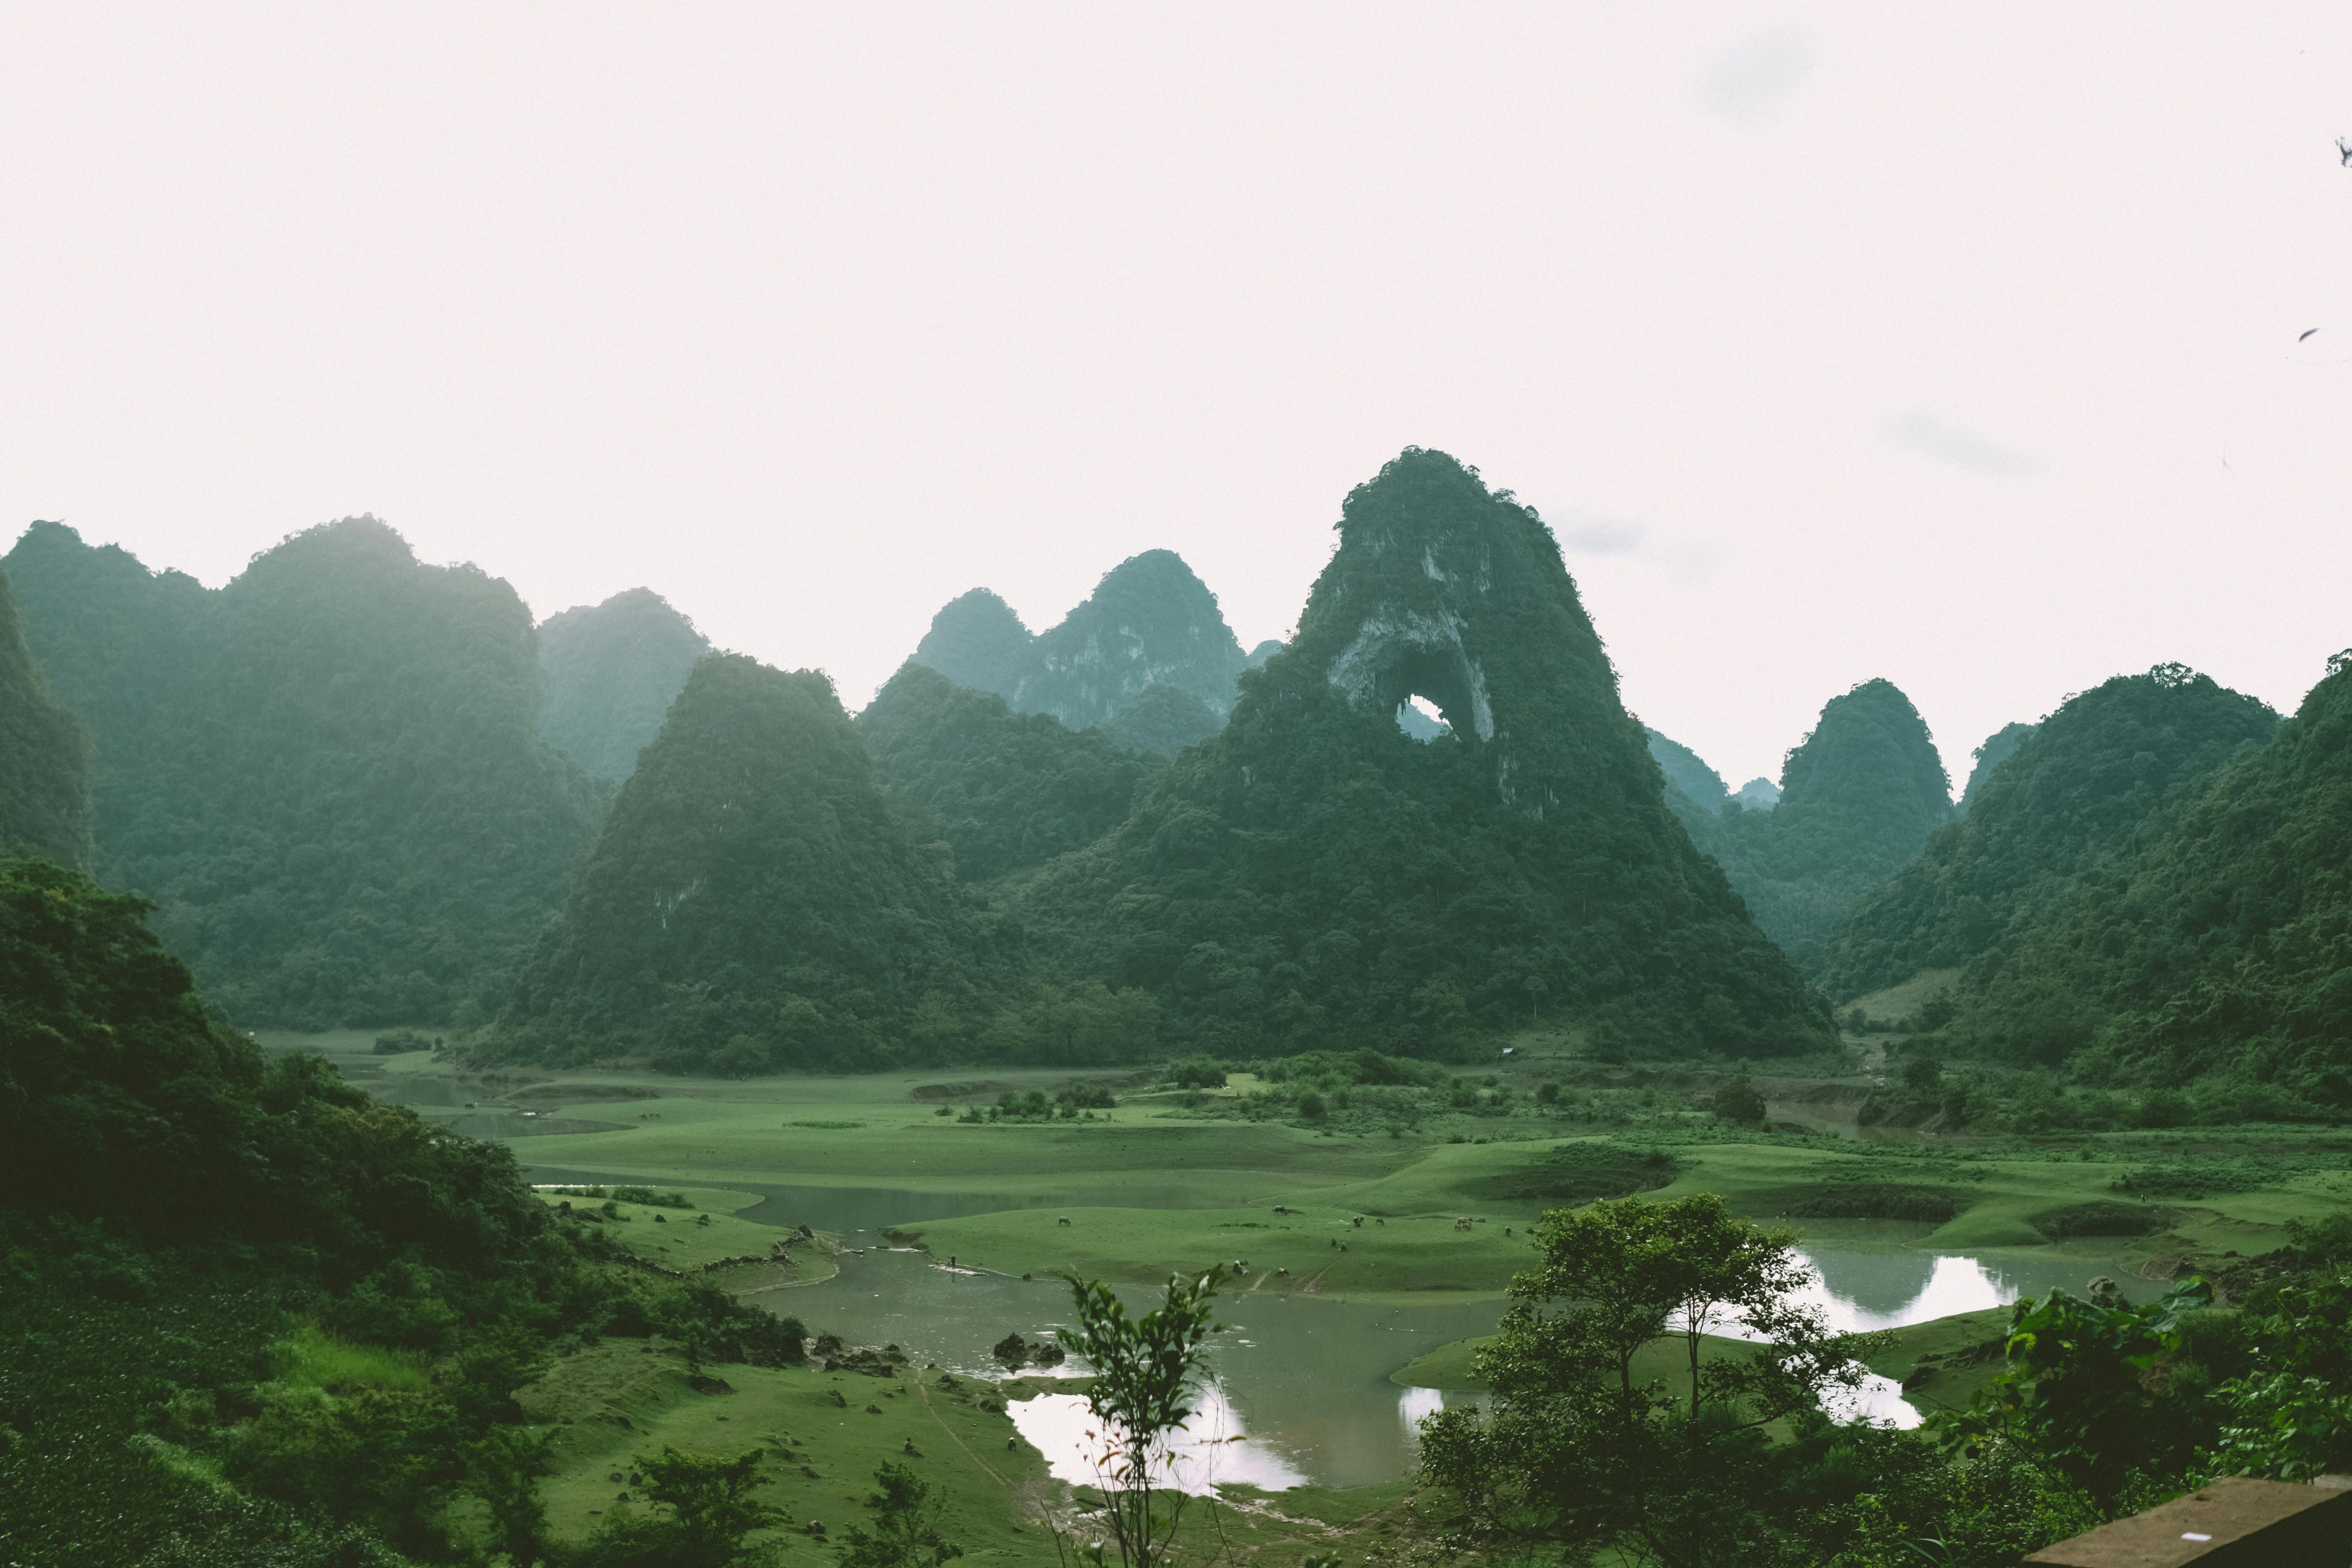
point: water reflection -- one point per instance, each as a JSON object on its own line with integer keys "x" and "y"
{"x": 1307, "y": 1380}
{"x": 1212, "y": 1451}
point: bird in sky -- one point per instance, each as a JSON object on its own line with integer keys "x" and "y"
{"x": 2307, "y": 335}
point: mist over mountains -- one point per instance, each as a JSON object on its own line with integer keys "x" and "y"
{"x": 363, "y": 790}
{"x": 327, "y": 773}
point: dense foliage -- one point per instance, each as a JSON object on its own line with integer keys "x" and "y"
{"x": 1585, "y": 1447}
{"x": 1010, "y": 789}
{"x": 1998, "y": 748}
{"x": 1312, "y": 876}
{"x": 1858, "y": 798}
{"x": 756, "y": 890}
{"x": 977, "y": 640}
{"x": 611, "y": 671}
{"x": 44, "y": 755}
{"x": 1687, "y": 773}
{"x": 1163, "y": 719}
{"x": 326, "y": 773}
{"x": 2073, "y": 790}
{"x": 2217, "y": 943}
{"x": 268, "y": 1319}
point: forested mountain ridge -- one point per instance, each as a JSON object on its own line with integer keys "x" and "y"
{"x": 2071, "y": 790}
{"x": 1010, "y": 789}
{"x": 45, "y": 802}
{"x": 2215, "y": 940}
{"x": 1148, "y": 622}
{"x": 1311, "y": 875}
{"x": 327, "y": 773}
{"x": 1858, "y": 797}
{"x": 977, "y": 640}
{"x": 756, "y": 899}
{"x": 610, "y": 672}
{"x": 1162, "y": 721}
{"x": 1998, "y": 748}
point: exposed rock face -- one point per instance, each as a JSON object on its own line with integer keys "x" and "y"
{"x": 1312, "y": 873}
{"x": 611, "y": 670}
{"x": 44, "y": 756}
{"x": 1148, "y": 622}
{"x": 1999, "y": 747}
{"x": 977, "y": 640}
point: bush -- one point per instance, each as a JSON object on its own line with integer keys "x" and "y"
{"x": 1738, "y": 1104}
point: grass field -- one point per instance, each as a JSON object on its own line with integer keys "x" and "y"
{"x": 703, "y": 1234}
{"x": 1154, "y": 1186}
{"x": 824, "y": 1434}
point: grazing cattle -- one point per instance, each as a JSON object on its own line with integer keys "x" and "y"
{"x": 1464, "y": 1223}
{"x": 1282, "y": 1273}
{"x": 1064, "y": 1220}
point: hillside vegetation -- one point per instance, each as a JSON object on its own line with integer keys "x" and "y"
{"x": 44, "y": 755}
{"x": 2071, "y": 791}
{"x": 611, "y": 671}
{"x": 757, "y": 897}
{"x": 1312, "y": 875}
{"x": 1149, "y": 622}
{"x": 327, "y": 773}
{"x": 1010, "y": 789}
{"x": 2216, "y": 943}
{"x": 1858, "y": 798}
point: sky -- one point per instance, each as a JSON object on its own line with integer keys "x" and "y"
{"x": 1957, "y": 344}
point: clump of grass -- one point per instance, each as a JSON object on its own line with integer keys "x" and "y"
{"x": 312, "y": 1358}
{"x": 1877, "y": 1200}
{"x": 2100, "y": 1217}
{"x": 1579, "y": 1173}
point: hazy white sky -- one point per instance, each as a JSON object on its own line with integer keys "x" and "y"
{"x": 1952, "y": 344}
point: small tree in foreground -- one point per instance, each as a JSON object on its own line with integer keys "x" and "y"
{"x": 1615, "y": 1426}
{"x": 1146, "y": 1372}
{"x": 905, "y": 1533}
{"x": 711, "y": 1511}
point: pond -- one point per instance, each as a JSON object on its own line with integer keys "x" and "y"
{"x": 1303, "y": 1384}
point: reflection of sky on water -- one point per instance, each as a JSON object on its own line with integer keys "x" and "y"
{"x": 1212, "y": 1452}
{"x": 1860, "y": 1291}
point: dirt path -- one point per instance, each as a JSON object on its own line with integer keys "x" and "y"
{"x": 924, "y": 1389}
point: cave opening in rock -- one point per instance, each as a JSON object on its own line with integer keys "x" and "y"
{"x": 1420, "y": 719}
{"x": 1428, "y": 690}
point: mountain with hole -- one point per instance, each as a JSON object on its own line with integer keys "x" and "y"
{"x": 1315, "y": 875}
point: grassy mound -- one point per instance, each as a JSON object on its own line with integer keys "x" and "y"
{"x": 1579, "y": 1173}
{"x": 2100, "y": 1217}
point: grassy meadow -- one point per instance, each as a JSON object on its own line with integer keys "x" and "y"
{"x": 1437, "y": 1212}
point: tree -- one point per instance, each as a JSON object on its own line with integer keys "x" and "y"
{"x": 507, "y": 1464}
{"x": 1147, "y": 1371}
{"x": 711, "y": 1511}
{"x": 1737, "y": 1101}
{"x": 905, "y": 1533}
{"x": 1617, "y": 1425}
